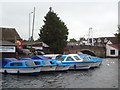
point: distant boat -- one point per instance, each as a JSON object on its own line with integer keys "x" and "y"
{"x": 13, "y": 66}
{"x": 59, "y": 65}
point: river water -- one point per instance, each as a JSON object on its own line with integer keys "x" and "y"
{"x": 106, "y": 76}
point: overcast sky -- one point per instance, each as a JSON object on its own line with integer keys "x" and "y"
{"x": 79, "y": 16}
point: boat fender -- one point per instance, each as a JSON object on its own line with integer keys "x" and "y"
{"x": 18, "y": 72}
{"x": 5, "y": 71}
{"x": 74, "y": 66}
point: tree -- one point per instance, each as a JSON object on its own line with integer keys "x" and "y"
{"x": 54, "y": 32}
{"x": 81, "y": 39}
{"x": 73, "y": 40}
{"x": 118, "y": 35}
{"x": 118, "y": 38}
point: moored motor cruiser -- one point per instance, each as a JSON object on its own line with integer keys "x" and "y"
{"x": 59, "y": 65}
{"x": 75, "y": 61}
{"x": 14, "y": 66}
{"x": 46, "y": 65}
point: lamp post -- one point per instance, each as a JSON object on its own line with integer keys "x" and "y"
{"x": 30, "y": 24}
{"x": 33, "y": 23}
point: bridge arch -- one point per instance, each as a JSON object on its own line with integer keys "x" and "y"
{"x": 89, "y": 52}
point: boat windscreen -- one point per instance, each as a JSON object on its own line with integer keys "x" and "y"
{"x": 85, "y": 58}
{"x": 60, "y": 58}
{"x": 90, "y": 58}
{"x": 77, "y": 58}
{"x": 49, "y": 57}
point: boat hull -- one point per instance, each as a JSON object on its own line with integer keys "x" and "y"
{"x": 79, "y": 65}
{"x": 48, "y": 68}
{"x": 62, "y": 68}
{"x": 24, "y": 70}
{"x": 96, "y": 64}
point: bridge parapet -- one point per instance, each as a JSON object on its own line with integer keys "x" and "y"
{"x": 92, "y": 50}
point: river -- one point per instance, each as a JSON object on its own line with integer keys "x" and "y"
{"x": 106, "y": 76}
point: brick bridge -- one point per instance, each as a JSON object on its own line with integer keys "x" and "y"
{"x": 86, "y": 49}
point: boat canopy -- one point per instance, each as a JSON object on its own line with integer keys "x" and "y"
{"x": 40, "y": 57}
{"x": 6, "y": 60}
{"x": 53, "y": 56}
{"x": 24, "y": 58}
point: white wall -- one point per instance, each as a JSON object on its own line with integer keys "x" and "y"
{"x": 108, "y": 48}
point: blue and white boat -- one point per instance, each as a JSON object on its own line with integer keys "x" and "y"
{"x": 59, "y": 65}
{"x": 96, "y": 61}
{"x": 46, "y": 65}
{"x": 75, "y": 61}
{"x": 14, "y": 66}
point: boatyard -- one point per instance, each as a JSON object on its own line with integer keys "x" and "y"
{"x": 106, "y": 76}
{"x": 76, "y": 45}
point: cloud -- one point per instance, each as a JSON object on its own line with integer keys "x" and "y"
{"x": 78, "y": 16}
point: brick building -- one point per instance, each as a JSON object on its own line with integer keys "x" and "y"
{"x": 8, "y": 37}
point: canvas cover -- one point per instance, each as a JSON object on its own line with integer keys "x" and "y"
{"x": 41, "y": 57}
{"x": 4, "y": 61}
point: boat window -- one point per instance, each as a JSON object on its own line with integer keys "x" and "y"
{"x": 16, "y": 64}
{"x": 59, "y": 62}
{"x": 70, "y": 59}
{"x": 77, "y": 58}
{"x": 60, "y": 58}
{"x": 46, "y": 62}
{"x": 85, "y": 58}
{"x": 51, "y": 62}
{"x": 49, "y": 57}
{"x": 37, "y": 63}
{"x": 30, "y": 63}
{"x": 90, "y": 58}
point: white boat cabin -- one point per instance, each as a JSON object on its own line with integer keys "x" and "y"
{"x": 72, "y": 57}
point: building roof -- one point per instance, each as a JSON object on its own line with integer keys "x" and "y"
{"x": 102, "y": 40}
{"x": 116, "y": 46}
{"x": 35, "y": 44}
{"x": 2, "y": 43}
{"x": 114, "y": 40}
{"x": 9, "y": 34}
